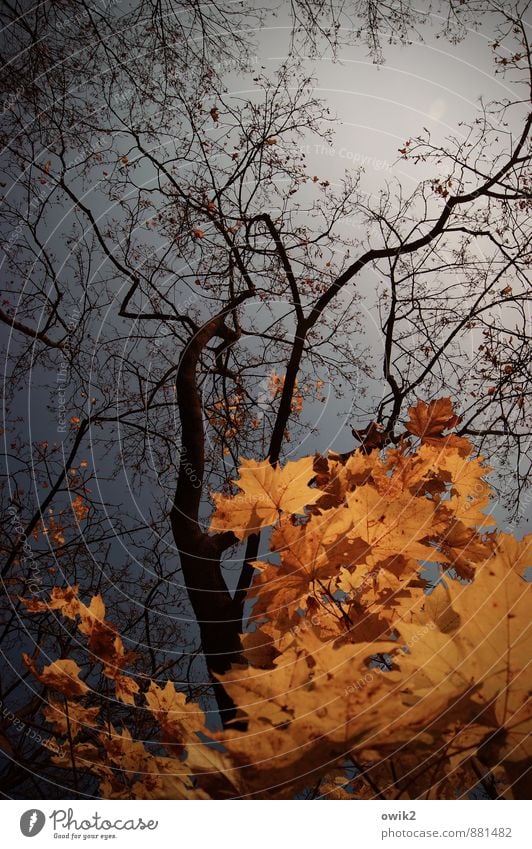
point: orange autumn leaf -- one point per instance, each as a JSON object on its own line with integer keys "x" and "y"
{"x": 61, "y": 675}
{"x": 65, "y": 600}
{"x": 79, "y": 508}
{"x": 266, "y": 492}
{"x": 178, "y": 719}
{"x": 33, "y": 605}
{"x": 79, "y": 717}
{"x": 431, "y": 419}
{"x": 94, "y": 613}
{"x": 126, "y": 688}
{"x": 486, "y": 654}
{"x": 103, "y": 639}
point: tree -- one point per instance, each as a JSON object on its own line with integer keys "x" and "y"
{"x": 200, "y": 290}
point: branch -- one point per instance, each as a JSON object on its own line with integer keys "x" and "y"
{"x": 83, "y": 427}
{"x": 29, "y": 331}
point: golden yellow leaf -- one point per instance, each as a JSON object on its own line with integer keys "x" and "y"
{"x": 397, "y": 527}
{"x": 486, "y": 655}
{"x": 402, "y": 471}
{"x": 265, "y": 493}
{"x": 304, "y": 714}
{"x": 79, "y": 717}
{"x": 103, "y": 640}
{"x": 125, "y": 689}
{"x": 470, "y": 493}
{"x": 515, "y": 554}
{"x": 178, "y": 719}
{"x": 259, "y": 649}
{"x": 61, "y": 675}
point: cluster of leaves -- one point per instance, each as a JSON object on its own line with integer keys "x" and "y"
{"x": 124, "y": 767}
{"x": 364, "y": 674}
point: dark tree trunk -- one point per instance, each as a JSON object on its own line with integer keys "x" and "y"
{"x": 219, "y": 619}
{"x": 219, "y": 616}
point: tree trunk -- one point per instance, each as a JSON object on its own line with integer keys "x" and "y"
{"x": 219, "y": 620}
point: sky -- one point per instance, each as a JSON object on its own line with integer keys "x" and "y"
{"x": 428, "y": 83}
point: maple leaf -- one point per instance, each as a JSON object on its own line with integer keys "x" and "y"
{"x": 400, "y": 471}
{"x": 164, "y": 780}
{"x": 310, "y": 554}
{"x": 65, "y": 600}
{"x": 103, "y": 639}
{"x": 380, "y": 593}
{"x": 464, "y": 546}
{"x": 360, "y": 466}
{"x": 178, "y": 719}
{"x": 399, "y": 527}
{"x": 265, "y": 493}
{"x": 345, "y": 580}
{"x": 301, "y": 714}
{"x": 485, "y": 655}
{"x": 125, "y": 689}
{"x": 337, "y": 474}
{"x": 95, "y": 612}
{"x": 259, "y": 648}
{"x": 428, "y": 420}
{"x": 470, "y": 493}
{"x": 371, "y": 437}
{"x": 515, "y": 554}
{"x": 33, "y": 605}
{"x": 79, "y": 717}
{"x": 79, "y": 508}
{"x": 61, "y": 675}
{"x": 333, "y": 786}
{"x": 125, "y": 752}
